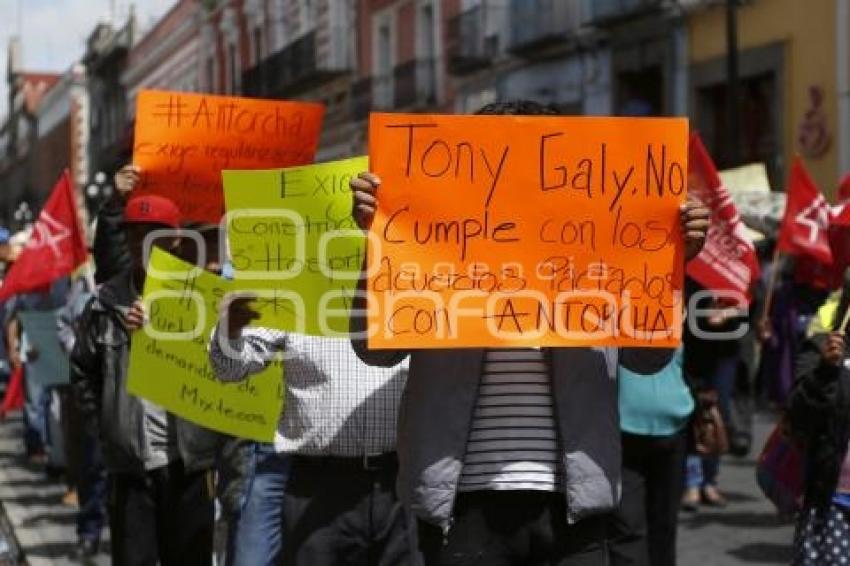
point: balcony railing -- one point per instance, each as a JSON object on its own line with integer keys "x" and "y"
{"x": 382, "y": 91}
{"x": 411, "y": 85}
{"x": 540, "y": 23}
{"x": 361, "y": 98}
{"x": 468, "y": 45}
{"x": 290, "y": 70}
{"x": 602, "y": 12}
{"x": 415, "y": 83}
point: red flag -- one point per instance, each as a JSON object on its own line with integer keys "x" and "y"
{"x": 56, "y": 248}
{"x": 728, "y": 261}
{"x": 811, "y": 271}
{"x": 839, "y": 233}
{"x": 805, "y": 226}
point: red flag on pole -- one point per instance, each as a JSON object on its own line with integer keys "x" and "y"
{"x": 728, "y": 260}
{"x": 56, "y": 248}
{"x": 805, "y": 226}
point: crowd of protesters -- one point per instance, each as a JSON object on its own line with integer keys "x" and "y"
{"x": 567, "y": 456}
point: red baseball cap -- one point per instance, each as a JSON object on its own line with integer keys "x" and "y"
{"x": 152, "y": 209}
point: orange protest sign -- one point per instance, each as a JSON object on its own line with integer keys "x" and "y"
{"x": 526, "y": 231}
{"x": 183, "y": 141}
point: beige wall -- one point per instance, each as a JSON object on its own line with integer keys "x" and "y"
{"x": 843, "y": 46}
{"x": 808, "y": 31}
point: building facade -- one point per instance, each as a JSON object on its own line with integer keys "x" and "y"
{"x": 593, "y": 57}
{"x": 20, "y": 193}
{"x": 587, "y": 57}
{"x": 842, "y": 52}
{"x": 306, "y": 53}
{"x": 539, "y": 50}
{"x": 400, "y": 61}
{"x": 105, "y": 60}
{"x": 224, "y": 47}
{"x": 167, "y": 56}
{"x": 63, "y": 136}
{"x": 788, "y": 101}
{"x": 60, "y": 144}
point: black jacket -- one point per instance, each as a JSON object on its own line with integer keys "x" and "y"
{"x": 111, "y": 250}
{"x": 99, "y": 364}
{"x": 702, "y": 355}
{"x": 819, "y": 409}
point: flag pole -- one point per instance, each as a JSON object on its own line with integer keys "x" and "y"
{"x": 844, "y": 322}
{"x": 78, "y": 203}
{"x": 771, "y": 286}
{"x": 89, "y": 275}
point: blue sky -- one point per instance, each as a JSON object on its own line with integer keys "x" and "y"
{"x": 53, "y": 32}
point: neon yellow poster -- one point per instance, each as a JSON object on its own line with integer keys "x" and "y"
{"x": 169, "y": 364}
{"x": 294, "y": 244}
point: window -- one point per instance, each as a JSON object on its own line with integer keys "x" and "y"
{"x": 639, "y": 93}
{"x": 759, "y": 131}
{"x": 257, "y": 39}
{"x": 383, "y": 57}
{"x": 211, "y": 82}
{"x": 230, "y": 29}
{"x": 307, "y": 22}
{"x": 428, "y": 49}
{"x": 278, "y": 28}
{"x": 384, "y": 73}
{"x": 426, "y": 71}
{"x": 232, "y": 69}
{"x": 384, "y": 50}
{"x": 108, "y": 126}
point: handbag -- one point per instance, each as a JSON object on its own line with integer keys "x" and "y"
{"x": 709, "y": 431}
{"x": 780, "y": 469}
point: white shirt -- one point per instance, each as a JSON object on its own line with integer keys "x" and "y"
{"x": 335, "y": 405}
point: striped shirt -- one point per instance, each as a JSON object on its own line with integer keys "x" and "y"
{"x": 513, "y": 443}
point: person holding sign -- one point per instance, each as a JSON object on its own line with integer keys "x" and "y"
{"x": 91, "y": 484}
{"x": 338, "y": 430}
{"x": 819, "y": 414}
{"x": 110, "y": 251}
{"x": 509, "y": 455}
{"x": 183, "y": 141}
{"x": 161, "y": 512}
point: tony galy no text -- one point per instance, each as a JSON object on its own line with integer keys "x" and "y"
{"x": 590, "y": 177}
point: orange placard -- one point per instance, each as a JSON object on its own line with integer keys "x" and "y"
{"x": 526, "y": 231}
{"x": 183, "y": 141}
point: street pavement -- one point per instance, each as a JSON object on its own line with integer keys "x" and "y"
{"x": 746, "y": 532}
{"x": 44, "y": 530}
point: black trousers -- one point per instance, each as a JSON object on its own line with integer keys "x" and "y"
{"x": 513, "y": 528}
{"x": 643, "y": 531}
{"x": 338, "y": 513}
{"x": 72, "y": 431}
{"x": 164, "y": 517}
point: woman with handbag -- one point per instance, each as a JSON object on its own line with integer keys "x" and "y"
{"x": 819, "y": 414}
{"x": 712, "y": 356}
{"x": 708, "y": 441}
